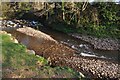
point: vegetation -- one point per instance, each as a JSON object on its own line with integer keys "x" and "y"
{"x": 18, "y": 63}
{"x": 99, "y": 19}
{"x": 102, "y": 21}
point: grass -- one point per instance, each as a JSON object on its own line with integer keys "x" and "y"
{"x": 14, "y": 55}
{"x": 18, "y": 63}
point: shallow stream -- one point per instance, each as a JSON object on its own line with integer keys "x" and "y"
{"x": 83, "y": 48}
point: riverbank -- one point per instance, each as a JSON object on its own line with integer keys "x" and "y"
{"x": 59, "y": 54}
{"x": 99, "y": 43}
{"x": 23, "y": 63}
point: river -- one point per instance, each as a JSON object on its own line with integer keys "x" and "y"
{"x": 83, "y": 48}
{"x": 61, "y": 55}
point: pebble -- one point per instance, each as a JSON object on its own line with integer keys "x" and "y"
{"x": 9, "y": 34}
{"x": 31, "y": 52}
{"x": 81, "y": 45}
{"x": 99, "y": 43}
{"x": 15, "y": 41}
{"x": 37, "y": 55}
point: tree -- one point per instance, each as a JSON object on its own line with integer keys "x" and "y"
{"x": 15, "y": 9}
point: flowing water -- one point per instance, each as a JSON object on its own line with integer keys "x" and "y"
{"x": 83, "y": 48}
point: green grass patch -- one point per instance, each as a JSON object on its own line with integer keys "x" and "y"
{"x": 15, "y": 56}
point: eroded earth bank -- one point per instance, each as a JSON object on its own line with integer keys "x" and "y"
{"x": 59, "y": 54}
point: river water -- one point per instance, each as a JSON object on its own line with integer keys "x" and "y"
{"x": 83, "y": 48}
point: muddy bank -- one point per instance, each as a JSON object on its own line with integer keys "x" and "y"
{"x": 99, "y": 43}
{"x": 40, "y": 42}
{"x": 61, "y": 55}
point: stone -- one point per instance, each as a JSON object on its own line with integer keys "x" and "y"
{"x": 31, "y": 52}
{"x": 99, "y": 43}
{"x": 15, "y": 41}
